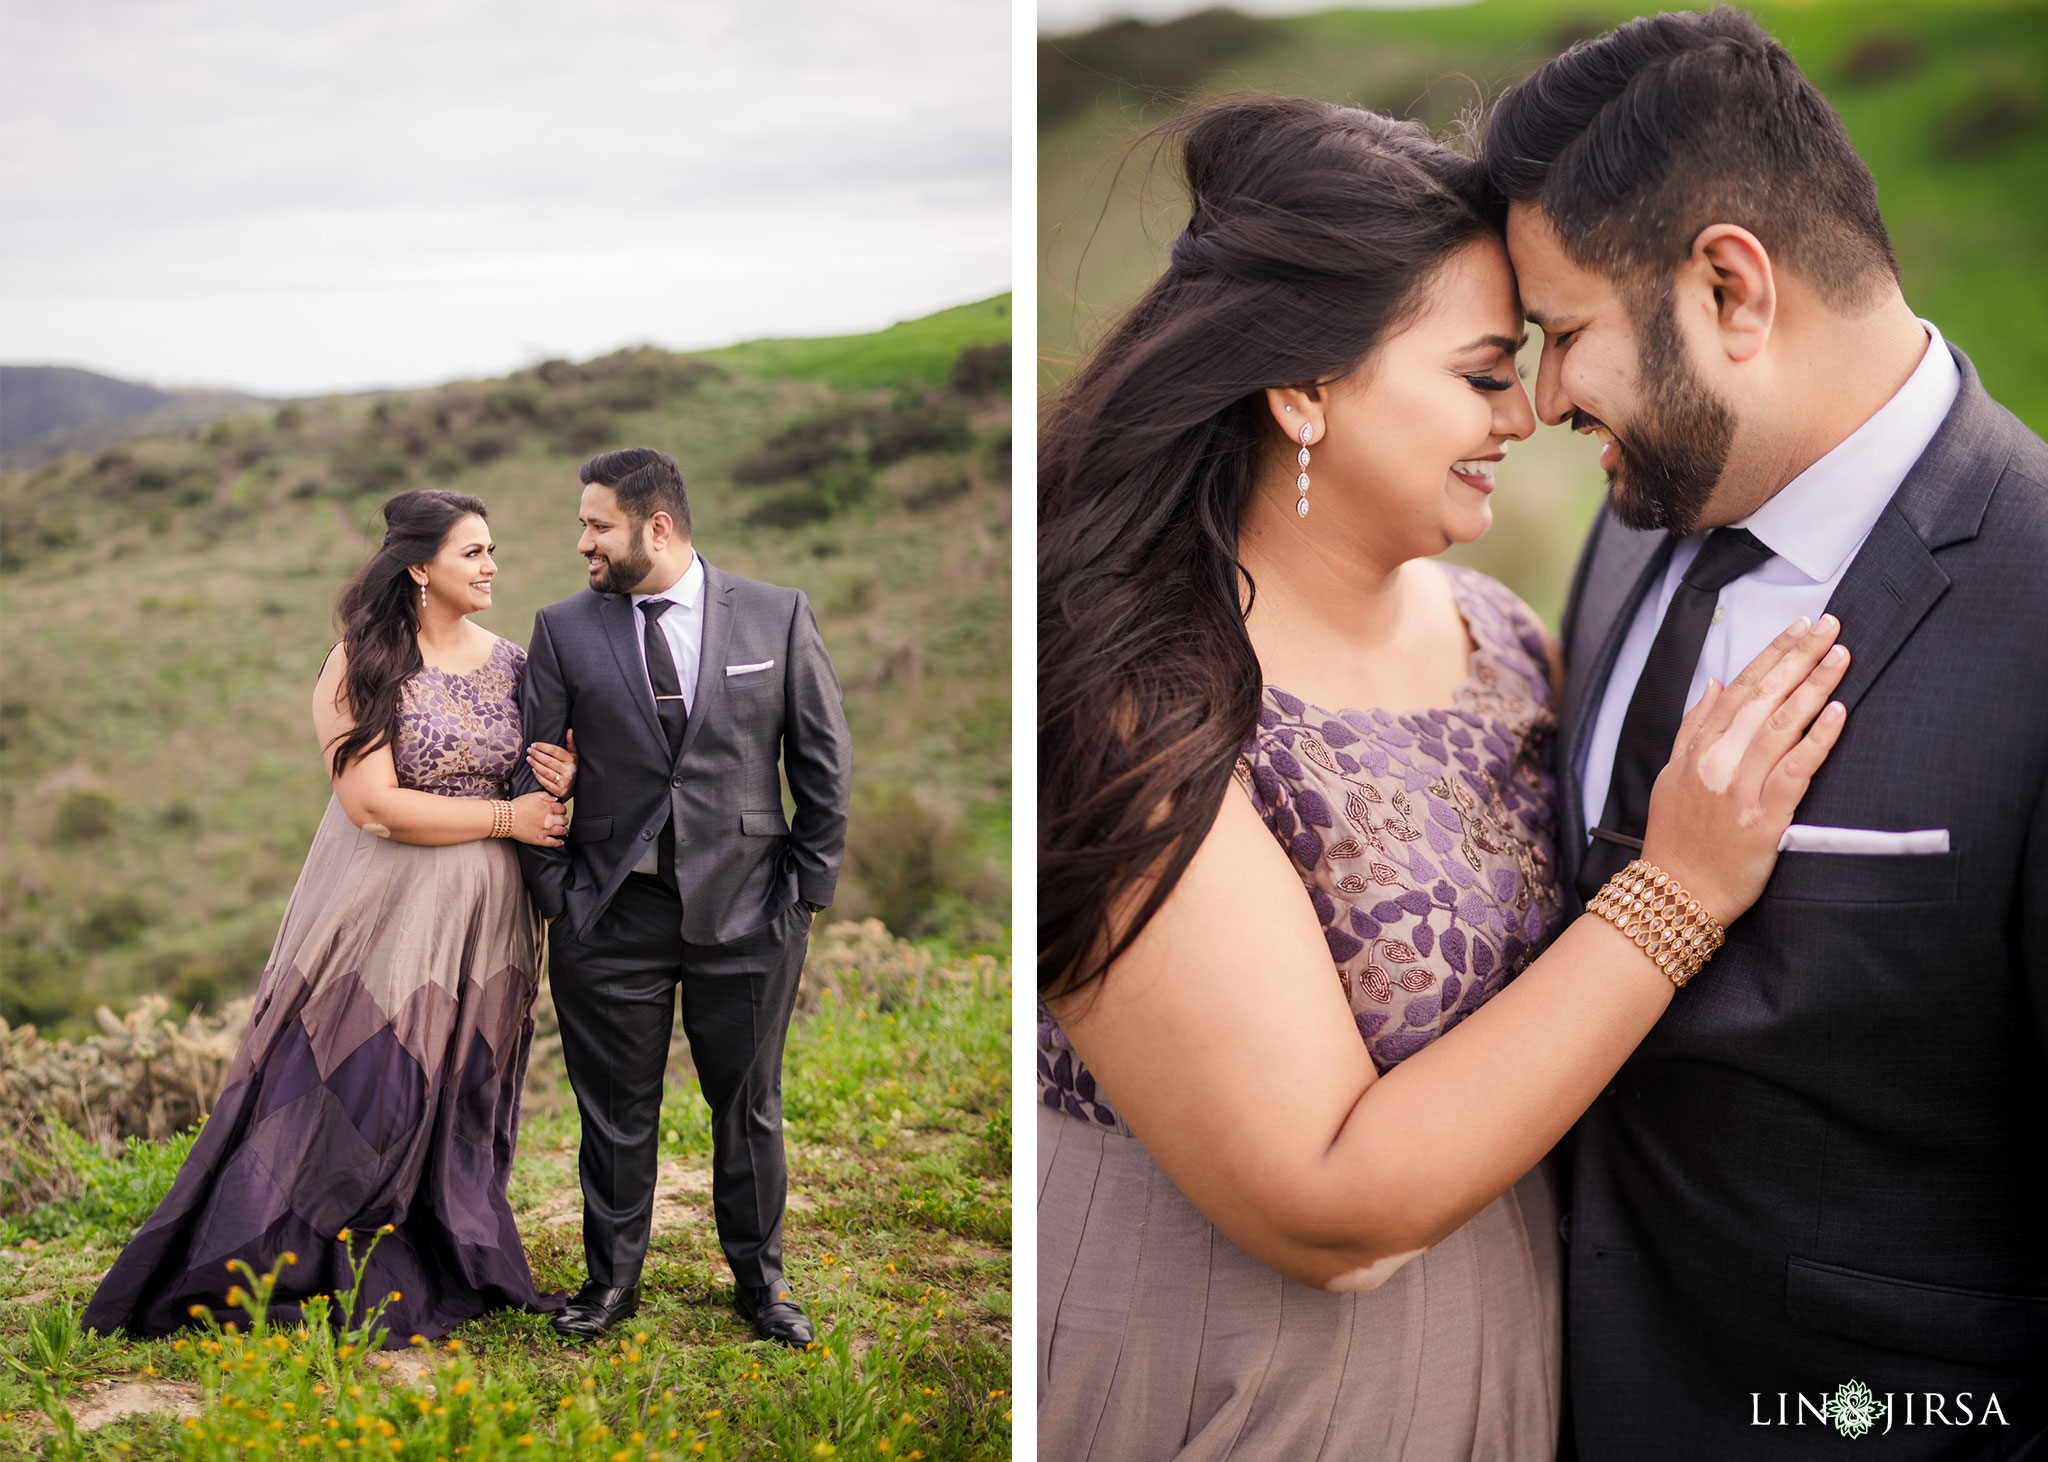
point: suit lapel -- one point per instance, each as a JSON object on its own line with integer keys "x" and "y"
{"x": 622, "y": 632}
{"x": 1894, "y": 581}
{"x": 718, "y": 596}
{"x": 1887, "y": 591}
{"x": 1628, "y": 566}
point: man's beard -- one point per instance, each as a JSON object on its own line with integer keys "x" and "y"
{"x": 621, "y": 575}
{"x": 1677, "y": 445}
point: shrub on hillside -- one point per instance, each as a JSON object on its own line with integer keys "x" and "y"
{"x": 485, "y": 444}
{"x": 938, "y": 490}
{"x": 444, "y": 462}
{"x": 512, "y": 402}
{"x": 112, "y": 922}
{"x": 800, "y": 447}
{"x": 366, "y": 463}
{"x": 84, "y": 814}
{"x": 577, "y": 426}
{"x": 907, "y": 852}
{"x": 142, "y": 1075}
{"x": 982, "y": 370}
{"x": 929, "y": 424}
{"x": 792, "y": 508}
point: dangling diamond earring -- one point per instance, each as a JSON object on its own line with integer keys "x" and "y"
{"x": 1301, "y": 482}
{"x": 423, "y": 587}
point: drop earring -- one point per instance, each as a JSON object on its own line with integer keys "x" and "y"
{"x": 1301, "y": 482}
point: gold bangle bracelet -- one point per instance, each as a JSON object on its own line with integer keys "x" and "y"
{"x": 1660, "y": 918}
{"x": 501, "y": 819}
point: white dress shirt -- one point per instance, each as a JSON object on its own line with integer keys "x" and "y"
{"x": 1814, "y": 525}
{"x": 683, "y": 627}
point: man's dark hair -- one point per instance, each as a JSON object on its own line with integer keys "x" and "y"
{"x": 1633, "y": 143}
{"x": 645, "y": 481}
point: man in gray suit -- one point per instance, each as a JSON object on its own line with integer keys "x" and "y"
{"x": 1815, "y": 1200}
{"x": 683, "y": 687}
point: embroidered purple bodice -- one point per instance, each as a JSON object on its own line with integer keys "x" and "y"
{"x": 1426, "y": 841}
{"x": 459, "y": 735}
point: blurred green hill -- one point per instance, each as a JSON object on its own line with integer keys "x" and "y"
{"x": 168, "y": 601}
{"x": 1947, "y": 100}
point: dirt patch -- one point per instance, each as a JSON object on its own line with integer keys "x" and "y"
{"x": 682, "y": 1199}
{"x": 97, "y": 1403}
{"x": 406, "y": 1368}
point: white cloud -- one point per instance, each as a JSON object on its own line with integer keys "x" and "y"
{"x": 306, "y": 197}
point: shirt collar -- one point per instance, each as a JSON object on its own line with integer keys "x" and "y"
{"x": 1821, "y": 517}
{"x": 685, "y": 591}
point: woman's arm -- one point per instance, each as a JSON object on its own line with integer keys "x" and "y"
{"x": 369, "y": 792}
{"x": 1223, "y": 1038}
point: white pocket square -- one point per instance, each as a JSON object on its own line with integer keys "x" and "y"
{"x": 1804, "y": 838}
{"x": 749, "y": 669}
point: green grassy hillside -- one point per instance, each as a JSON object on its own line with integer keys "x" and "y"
{"x": 168, "y": 602}
{"x": 1947, "y": 100}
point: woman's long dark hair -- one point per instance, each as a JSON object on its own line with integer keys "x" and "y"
{"x": 1312, "y": 232}
{"x": 379, "y": 614}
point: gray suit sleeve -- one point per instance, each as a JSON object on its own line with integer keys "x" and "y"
{"x": 544, "y": 716}
{"x": 2034, "y": 920}
{"x": 817, "y": 759}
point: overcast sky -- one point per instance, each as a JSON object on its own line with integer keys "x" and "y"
{"x": 349, "y": 193}
{"x": 1069, "y": 17}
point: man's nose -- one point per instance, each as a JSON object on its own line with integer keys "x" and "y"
{"x": 1553, "y": 403}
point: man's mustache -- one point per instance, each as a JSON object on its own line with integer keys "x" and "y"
{"x": 1581, "y": 421}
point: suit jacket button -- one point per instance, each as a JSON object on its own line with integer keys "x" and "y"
{"x": 675, "y": 781}
{"x": 647, "y": 835}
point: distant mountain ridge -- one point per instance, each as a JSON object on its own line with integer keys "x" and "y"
{"x": 46, "y": 411}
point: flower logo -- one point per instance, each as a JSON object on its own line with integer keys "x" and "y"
{"x": 1854, "y": 1409}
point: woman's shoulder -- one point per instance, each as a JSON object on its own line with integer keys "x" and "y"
{"x": 1504, "y": 626}
{"x": 1496, "y": 600}
{"x": 510, "y": 651}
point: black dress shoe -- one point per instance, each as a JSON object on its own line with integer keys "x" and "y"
{"x": 594, "y": 1309}
{"x": 774, "y": 1314}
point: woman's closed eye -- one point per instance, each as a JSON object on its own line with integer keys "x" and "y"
{"x": 1489, "y": 383}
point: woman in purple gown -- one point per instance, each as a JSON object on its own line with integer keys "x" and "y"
{"x": 379, "y": 1079}
{"x": 1312, "y": 1013}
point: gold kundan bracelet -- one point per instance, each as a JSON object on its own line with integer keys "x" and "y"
{"x": 1666, "y": 923}
{"x": 501, "y": 819}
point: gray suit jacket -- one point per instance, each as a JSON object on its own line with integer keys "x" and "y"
{"x": 1829, "y": 1160}
{"x": 739, "y": 863}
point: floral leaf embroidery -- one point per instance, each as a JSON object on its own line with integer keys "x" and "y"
{"x": 1351, "y": 883}
{"x": 1358, "y": 808}
{"x": 1414, "y": 980}
{"x": 1348, "y": 848}
{"x": 1398, "y": 952}
{"x": 1385, "y": 874}
{"x": 1311, "y": 746}
{"x": 1377, "y": 986}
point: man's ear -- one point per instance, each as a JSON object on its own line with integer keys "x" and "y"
{"x": 1729, "y": 273}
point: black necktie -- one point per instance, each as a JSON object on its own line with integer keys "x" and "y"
{"x": 661, "y": 670}
{"x": 1658, "y": 705}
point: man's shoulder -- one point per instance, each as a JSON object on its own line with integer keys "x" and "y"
{"x": 755, "y": 592}
{"x": 584, "y": 603}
